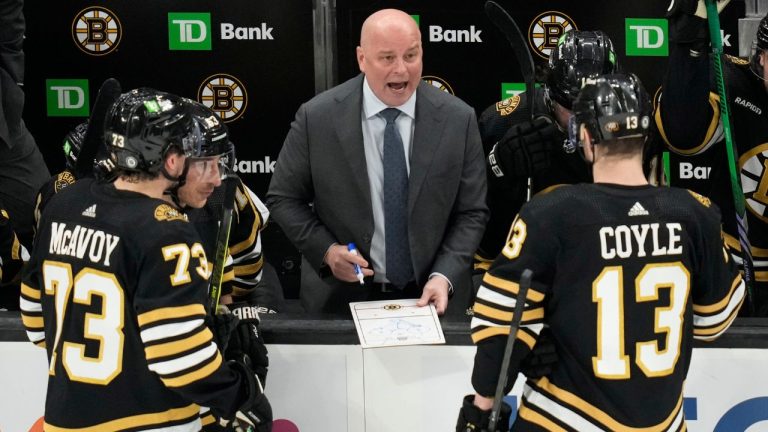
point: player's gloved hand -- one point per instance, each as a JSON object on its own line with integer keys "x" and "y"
{"x": 222, "y": 325}
{"x": 542, "y": 359}
{"x": 246, "y": 343}
{"x": 255, "y": 415}
{"x": 473, "y": 419}
{"x": 688, "y": 22}
{"x": 525, "y": 149}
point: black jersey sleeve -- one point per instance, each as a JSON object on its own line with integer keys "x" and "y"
{"x": 718, "y": 289}
{"x": 688, "y": 114}
{"x": 528, "y": 246}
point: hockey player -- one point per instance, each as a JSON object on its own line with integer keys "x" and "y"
{"x": 689, "y": 120}
{"x": 116, "y": 289}
{"x": 518, "y": 148}
{"x": 626, "y": 275}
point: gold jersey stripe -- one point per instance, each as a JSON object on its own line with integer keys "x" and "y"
{"x": 488, "y": 332}
{"x": 529, "y": 315}
{"x": 195, "y": 375}
{"x": 722, "y": 304}
{"x": 202, "y": 337}
{"x": 511, "y": 287}
{"x": 536, "y": 418}
{"x": 30, "y": 292}
{"x": 32, "y": 322}
{"x": 170, "y": 313}
{"x": 188, "y": 412}
{"x": 734, "y": 244}
{"x": 248, "y": 269}
{"x": 709, "y": 331}
{"x": 599, "y": 415}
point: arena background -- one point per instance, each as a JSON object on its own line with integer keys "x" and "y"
{"x": 257, "y": 61}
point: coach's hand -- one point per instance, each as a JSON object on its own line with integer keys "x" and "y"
{"x": 525, "y": 149}
{"x": 342, "y": 263}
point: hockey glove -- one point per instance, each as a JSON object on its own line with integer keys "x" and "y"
{"x": 246, "y": 343}
{"x": 473, "y": 419}
{"x": 256, "y": 413}
{"x": 542, "y": 359}
{"x": 525, "y": 149}
{"x": 688, "y": 22}
{"x": 222, "y": 326}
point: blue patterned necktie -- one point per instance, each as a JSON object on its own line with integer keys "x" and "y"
{"x": 398, "y": 250}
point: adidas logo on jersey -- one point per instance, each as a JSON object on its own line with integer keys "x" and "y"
{"x": 90, "y": 211}
{"x": 637, "y": 210}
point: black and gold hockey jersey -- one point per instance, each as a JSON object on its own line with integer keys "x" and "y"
{"x": 115, "y": 291}
{"x": 625, "y": 277}
{"x": 688, "y": 115}
{"x": 244, "y": 266}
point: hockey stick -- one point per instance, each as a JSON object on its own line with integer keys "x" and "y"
{"x": 506, "y": 24}
{"x": 222, "y": 242}
{"x": 94, "y": 135}
{"x": 713, "y": 19}
{"x": 517, "y": 317}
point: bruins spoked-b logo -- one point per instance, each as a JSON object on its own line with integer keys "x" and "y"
{"x": 96, "y": 30}
{"x": 225, "y": 95}
{"x": 754, "y": 180}
{"x": 546, "y": 29}
{"x": 438, "y": 83}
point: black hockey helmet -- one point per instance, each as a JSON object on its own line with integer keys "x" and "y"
{"x": 73, "y": 142}
{"x": 612, "y": 107}
{"x": 759, "y": 45}
{"x": 214, "y": 137}
{"x": 144, "y": 124}
{"x": 579, "y": 55}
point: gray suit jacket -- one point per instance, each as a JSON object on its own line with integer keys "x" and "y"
{"x": 322, "y": 163}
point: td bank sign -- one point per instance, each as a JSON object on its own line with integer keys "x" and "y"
{"x": 192, "y": 31}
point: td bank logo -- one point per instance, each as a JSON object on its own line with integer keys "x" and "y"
{"x": 225, "y": 95}
{"x": 67, "y": 97}
{"x": 646, "y": 37}
{"x": 96, "y": 30}
{"x": 189, "y": 31}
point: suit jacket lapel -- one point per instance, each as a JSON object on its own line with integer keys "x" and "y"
{"x": 348, "y": 125}
{"x": 426, "y": 139}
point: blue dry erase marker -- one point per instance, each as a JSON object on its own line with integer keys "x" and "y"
{"x": 358, "y": 272}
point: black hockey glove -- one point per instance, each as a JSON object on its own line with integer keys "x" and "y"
{"x": 542, "y": 359}
{"x": 222, "y": 325}
{"x": 256, "y": 413}
{"x": 246, "y": 343}
{"x": 473, "y": 419}
{"x": 525, "y": 149}
{"x": 688, "y": 22}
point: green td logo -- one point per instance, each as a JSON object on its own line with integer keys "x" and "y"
{"x": 189, "y": 31}
{"x": 646, "y": 37}
{"x": 67, "y": 97}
